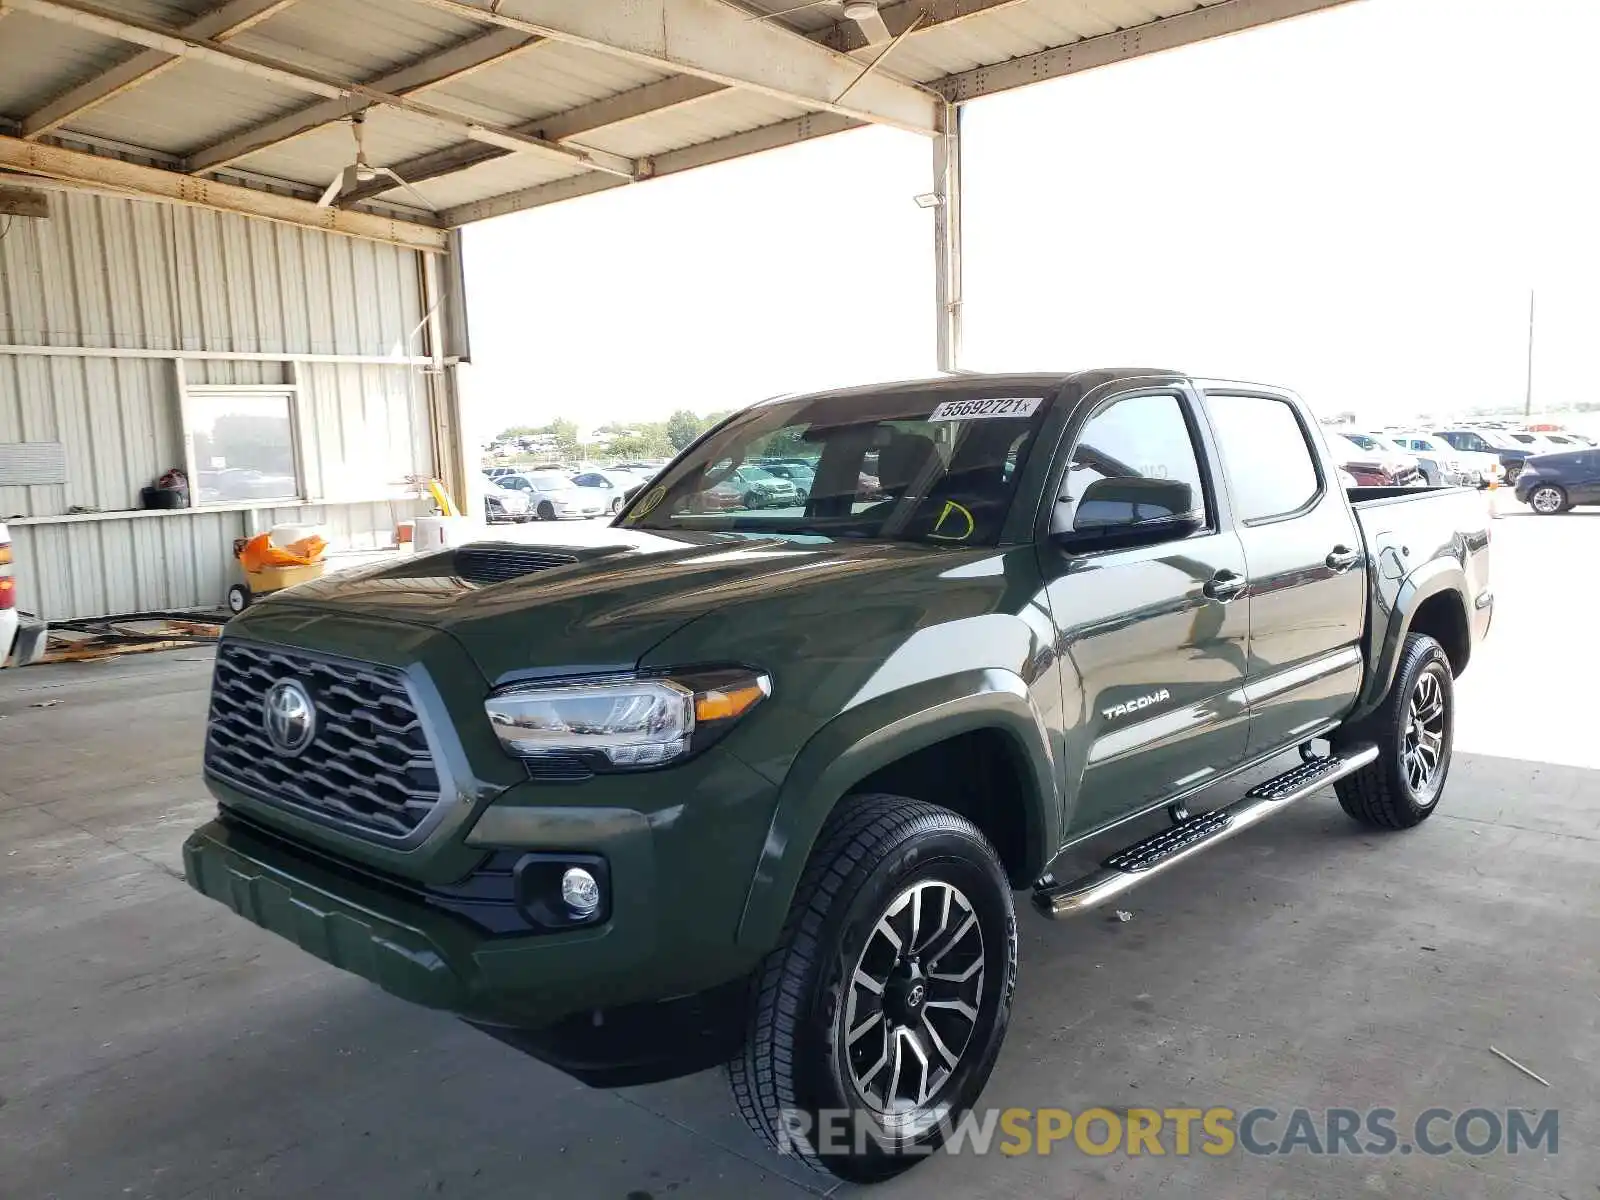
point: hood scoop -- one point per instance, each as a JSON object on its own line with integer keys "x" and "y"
{"x": 496, "y": 564}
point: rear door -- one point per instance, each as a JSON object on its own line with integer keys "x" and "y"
{"x": 1154, "y": 635}
{"x": 1304, "y": 557}
{"x": 1582, "y": 469}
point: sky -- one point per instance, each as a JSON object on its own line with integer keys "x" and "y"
{"x": 1354, "y": 204}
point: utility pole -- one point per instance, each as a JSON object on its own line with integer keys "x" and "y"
{"x": 1527, "y": 404}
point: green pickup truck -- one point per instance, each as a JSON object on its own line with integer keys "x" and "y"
{"x": 756, "y": 786}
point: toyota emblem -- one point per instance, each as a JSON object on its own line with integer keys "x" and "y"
{"x": 291, "y": 718}
{"x": 915, "y": 996}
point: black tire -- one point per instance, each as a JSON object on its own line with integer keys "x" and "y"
{"x": 547, "y": 511}
{"x": 1386, "y": 794}
{"x": 1547, "y": 500}
{"x": 616, "y": 505}
{"x": 874, "y": 853}
{"x": 238, "y": 598}
{"x": 751, "y": 500}
{"x": 1512, "y": 472}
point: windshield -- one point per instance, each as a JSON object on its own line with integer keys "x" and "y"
{"x": 549, "y": 483}
{"x": 1363, "y": 441}
{"x": 905, "y": 466}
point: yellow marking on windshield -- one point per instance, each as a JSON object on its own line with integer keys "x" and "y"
{"x": 656, "y": 496}
{"x": 951, "y": 508}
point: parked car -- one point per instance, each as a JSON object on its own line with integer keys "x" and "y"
{"x": 615, "y": 487}
{"x": 1373, "y": 461}
{"x": 760, "y": 488}
{"x": 501, "y": 504}
{"x": 8, "y": 596}
{"x": 499, "y": 472}
{"x": 1449, "y": 465}
{"x": 797, "y": 472}
{"x": 552, "y": 496}
{"x": 1483, "y": 440}
{"x": 1563, "y": 440}
{"x": 1557, "y": 483}
{"x": 764, "y": 801}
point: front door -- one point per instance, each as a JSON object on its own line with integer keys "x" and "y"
{"x": 1308, "y": 583}
{"x": 1152, "y": 639}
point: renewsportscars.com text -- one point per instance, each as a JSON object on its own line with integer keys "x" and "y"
{"x": 1216, "y": 1132}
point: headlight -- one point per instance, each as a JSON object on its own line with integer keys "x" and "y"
{"x": 627, "y": 723}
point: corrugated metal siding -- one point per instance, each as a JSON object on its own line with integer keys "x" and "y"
{"x": 144, "y": 564}
{"x": 117, "y": 419}
{"x": 163, "y": 277}
{"x": 365, "y": 429}
{"x": 106, "y": 272}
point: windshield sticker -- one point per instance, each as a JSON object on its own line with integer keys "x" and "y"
{"x": 955, "y": 523}
{"x": 975, "y": 410}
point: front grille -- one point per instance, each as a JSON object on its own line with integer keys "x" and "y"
{"x": 496, "y": 564}
{"x": 368, "y": 764}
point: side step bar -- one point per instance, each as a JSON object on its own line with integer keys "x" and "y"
{"x": 1143, "y": 860}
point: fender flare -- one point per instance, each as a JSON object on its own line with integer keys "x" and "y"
{"x": 865, "y": 739}
{"x": 1426, "y": 582}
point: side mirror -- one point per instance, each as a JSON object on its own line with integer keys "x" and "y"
{"x": 1131, "y": 512}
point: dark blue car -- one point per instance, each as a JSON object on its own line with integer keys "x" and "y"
{"x": 1554, "y": 483}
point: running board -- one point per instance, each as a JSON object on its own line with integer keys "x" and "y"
{"x": 1143, "y": 860}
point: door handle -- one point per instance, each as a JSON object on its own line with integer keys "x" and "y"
{"x": 1342, "y": 558}
{"x": 1225, "y": 585}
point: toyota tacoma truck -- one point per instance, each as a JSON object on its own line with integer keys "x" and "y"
{"x": 757, "y": 786}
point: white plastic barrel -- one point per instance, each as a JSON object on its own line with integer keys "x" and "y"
{"x": 436, "y": 533}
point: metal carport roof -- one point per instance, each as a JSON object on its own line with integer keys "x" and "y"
{"x": 493, "y": 106}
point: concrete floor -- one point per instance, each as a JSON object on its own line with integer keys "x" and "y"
{"x": 154, "y": 1045}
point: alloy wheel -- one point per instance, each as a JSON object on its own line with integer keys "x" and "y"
{"x": 1546, "y": 500}
{"x": 913, "y": 1000}
{"x": 1423, "y": 749}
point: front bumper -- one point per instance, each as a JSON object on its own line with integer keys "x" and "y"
{"x": 678, "y": 877}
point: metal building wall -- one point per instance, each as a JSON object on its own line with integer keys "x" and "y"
{"x": 159, "y": 281}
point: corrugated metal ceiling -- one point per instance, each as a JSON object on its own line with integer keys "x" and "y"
{"x": 586, "y": 94}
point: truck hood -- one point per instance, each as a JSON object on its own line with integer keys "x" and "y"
{"x": 570, "y": 610}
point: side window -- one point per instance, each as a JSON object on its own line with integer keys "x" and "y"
{"x": 1143, "y": 438}
{"x": 1270, "y": 464}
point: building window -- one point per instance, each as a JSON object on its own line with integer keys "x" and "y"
{"x": 243, "y": 447}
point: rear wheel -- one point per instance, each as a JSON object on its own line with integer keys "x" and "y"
{"x": 877, "y": 1020}
{"x": 616, "y": 505}
{"x": 1414, "y": 730}
{"x": 1547, "y": 500}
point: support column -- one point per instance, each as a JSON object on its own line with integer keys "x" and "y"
{"x": 444, "y": 329}
{"x": 947, "y": 238}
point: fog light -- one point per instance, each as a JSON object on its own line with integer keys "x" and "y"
{"x": 580, "y": 892}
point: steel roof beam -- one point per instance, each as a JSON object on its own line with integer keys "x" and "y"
{"x": 219, "y": 24}
{"x": 737, "y": 145}
{"x": 716, "y": 41}
{"x": 497, "y": 45}
{"x": 637, "y": 102}
{"x": 114, "y": 174}
{"x": 1165, "y": 33}
{"x": 288, "y": 75}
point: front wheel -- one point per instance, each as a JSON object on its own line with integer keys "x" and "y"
{"x": 547, "y": 511}
{"x": 876, "y": 1022}
{"x": 1547, "y": 500}
{"x": 616, "y": 505}
{"x": 1414, "y": 730}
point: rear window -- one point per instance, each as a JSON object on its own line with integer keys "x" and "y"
{"x": 1271, "y": 470}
